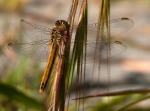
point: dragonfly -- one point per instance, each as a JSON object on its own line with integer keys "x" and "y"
{"x": 45, "y": 43}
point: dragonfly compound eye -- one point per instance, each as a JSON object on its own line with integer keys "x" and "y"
{"x": 65, "y": 23}
{"x": 61, "y": 23}
{"x": 58, "y": 23}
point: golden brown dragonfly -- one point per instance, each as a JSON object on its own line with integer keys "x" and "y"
{"x": 45, "y": 41}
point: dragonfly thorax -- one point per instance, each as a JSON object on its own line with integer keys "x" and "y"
{"x": 60, "y": 31}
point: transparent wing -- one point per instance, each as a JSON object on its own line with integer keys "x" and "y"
{"x": 99, "y": 51}
{"x": 117, "y": 27}
{"x": 35, "y": 32}
{"x": 38, "y": 50}
{"x": 120, "y": 25}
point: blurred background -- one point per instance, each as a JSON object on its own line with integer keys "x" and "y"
{"x": 22, "y": 75}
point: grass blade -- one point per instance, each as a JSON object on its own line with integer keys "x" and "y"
{"x": 16, "y": 95}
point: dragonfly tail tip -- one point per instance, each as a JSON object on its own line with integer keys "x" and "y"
{"x": 40, "y": 91}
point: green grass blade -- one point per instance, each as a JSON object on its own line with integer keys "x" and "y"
{"x": 134, "y": 100}
{"x": 16, "y": 95}
{"x": 77, "y": 56}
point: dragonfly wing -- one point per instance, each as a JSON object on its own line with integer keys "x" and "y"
{"x": 101, "y": 50}
{"x": 35, "y": 32}
{"x": 96, "y": 51}
{"x": 38, "y": 50}
{"x": 117, "y": 27}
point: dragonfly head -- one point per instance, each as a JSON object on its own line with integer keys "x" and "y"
{"x": 62, "y": 24}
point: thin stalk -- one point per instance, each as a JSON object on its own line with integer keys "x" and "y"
{"x": 59, "y": 92}
{"x": 72, "y": 14}
{"x": 104, "y": 21}
{"x": 117, "y": 93}
{"x": 76, "y": 59}
{"x": 68, "y": 71}
{"x": 134, "y": 102}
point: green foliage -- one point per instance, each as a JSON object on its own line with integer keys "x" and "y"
{"x": 15, "y": 95}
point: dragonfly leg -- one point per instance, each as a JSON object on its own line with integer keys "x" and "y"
{"x": 61, "y": 43}
{"x": 61, "y": 52}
